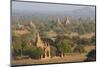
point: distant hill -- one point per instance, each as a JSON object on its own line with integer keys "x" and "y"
{"x": 86, "y": 11}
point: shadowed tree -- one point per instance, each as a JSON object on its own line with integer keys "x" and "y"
{"x": 91, "y": 56}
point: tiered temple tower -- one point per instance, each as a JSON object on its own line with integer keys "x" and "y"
{"x": 44, "y": 45}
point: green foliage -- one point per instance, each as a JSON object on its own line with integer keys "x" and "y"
{"x": 28, "y": 49}
{"x": 19, "y": 42}
{"x": 45, "y": 24}
{"x": 59, "y": 39}
{"x": 36, "y": 54}
{"x": 79, "y": 49}
{"x": 16, "y": 44}
{"x": 21, "y": 46}
{"x": 33, "y": 52}
{"x": 65, "y": 46}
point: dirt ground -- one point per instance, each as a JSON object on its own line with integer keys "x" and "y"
{"x": 70, "y": 58}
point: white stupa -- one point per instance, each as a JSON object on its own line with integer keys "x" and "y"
{"x": 32, "y": 24}
{"x": 20, "y": 26}
{"x": 67, "y": 21}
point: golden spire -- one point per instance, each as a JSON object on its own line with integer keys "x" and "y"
{"x": 39, "y": 42}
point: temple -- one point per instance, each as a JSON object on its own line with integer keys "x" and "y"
{"x": 44, "y": 45}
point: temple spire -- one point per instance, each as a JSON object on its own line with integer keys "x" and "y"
{"x": 67, "y": 21}
{"x": 39, "y": 42}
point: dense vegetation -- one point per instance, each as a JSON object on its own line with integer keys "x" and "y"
{"x": 24, "y": 45}
{"x": 78, "y": 25}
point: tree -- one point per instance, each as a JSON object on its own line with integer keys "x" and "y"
{"x": 79, "y": 49}
{"x": 26, "y": 40}
{"x": 91, "y": 56}
{"x": 19, "y": 42}
{"x": 16, "y": 44}
{"x": 63, "y": 45}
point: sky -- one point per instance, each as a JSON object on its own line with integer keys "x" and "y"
{"x": 44, "y": 8}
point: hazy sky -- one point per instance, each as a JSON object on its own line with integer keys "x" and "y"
{"x": 31, "y": 6}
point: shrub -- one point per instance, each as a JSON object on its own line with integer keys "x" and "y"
{"x": 79, "y": 49}
{"x": 33, "y": 52}
{"x": 36, "y": 54}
